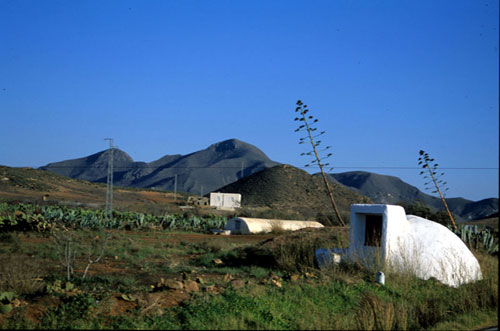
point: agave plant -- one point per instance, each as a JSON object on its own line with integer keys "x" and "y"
{"x": 477, "y": 237}
{"x": 27, "y": 217}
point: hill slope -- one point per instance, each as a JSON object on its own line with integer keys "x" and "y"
{"x": 392, "y": 190}
{"x": 29, "y": 185}
{"x": 286, "y": 187}
{"x": 198, "y": 172}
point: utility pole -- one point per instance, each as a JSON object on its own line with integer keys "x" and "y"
{"x": 175, "y": 188}
{"x": 109, "y": 189}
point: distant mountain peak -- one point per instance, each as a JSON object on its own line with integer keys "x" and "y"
{"x": 229, "y": 144}
{"x": 118, "y": 154}
{"x": 202, "y": 171}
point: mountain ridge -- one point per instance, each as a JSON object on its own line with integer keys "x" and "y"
{"x": 228, "y": 161}
{"x": 388, "y": 189}
{"x": 205, "y": 170}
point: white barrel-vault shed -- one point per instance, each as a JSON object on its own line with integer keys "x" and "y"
{"x": 247, "y": 225}
{"x": 383, "y": 236}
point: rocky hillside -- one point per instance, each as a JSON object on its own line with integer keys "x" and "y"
{"x": 288, "y": 188}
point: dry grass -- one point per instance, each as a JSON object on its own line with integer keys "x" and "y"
{"x": 21, "y": 274}
{"x": 375, "y": 313}
{"x": 277, "y": 227}
{"x": 294, "y": 251}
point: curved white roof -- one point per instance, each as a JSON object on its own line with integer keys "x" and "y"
{"x": 246, "y": 225}
{"x": 407, "y": 243}
{"x": 429, "y": 249}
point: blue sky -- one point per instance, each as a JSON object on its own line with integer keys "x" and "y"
{"x": 384, "y": 78}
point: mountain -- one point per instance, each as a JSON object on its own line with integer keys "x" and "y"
{"x": 392, "y": 190}
{"x": 199, "y": 172}
{"x": 228, "y": 161}
{"x": 288, "y": 188}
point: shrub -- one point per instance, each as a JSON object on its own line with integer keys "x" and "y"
{"x": 70, "y": 314}
{"x": 20, "y": 274}
{"x": 294, "y": 251}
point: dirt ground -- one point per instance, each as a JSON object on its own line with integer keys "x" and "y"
{"x": 147, "y": 302}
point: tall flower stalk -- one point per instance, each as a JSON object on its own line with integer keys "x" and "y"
{"x": 307, "y": 125}
{"x": 434, "y": 178}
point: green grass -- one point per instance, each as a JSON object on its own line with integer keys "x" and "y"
{"x": 292, "y": 307}
{"x": 470, "y": 321}
{"x": 343, "y": 298}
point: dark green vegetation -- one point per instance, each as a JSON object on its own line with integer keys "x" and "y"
{"x": 152, "y": 278}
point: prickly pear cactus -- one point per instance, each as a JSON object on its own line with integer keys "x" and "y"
{"x": 6, "y": 299}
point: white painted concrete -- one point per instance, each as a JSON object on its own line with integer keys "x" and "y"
{"x": 225, "y": 201}
{"x": 408, "y": 244}
{"x": 247, "y": 225}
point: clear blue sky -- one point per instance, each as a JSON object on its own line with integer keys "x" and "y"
{"x": 385, "y": 79}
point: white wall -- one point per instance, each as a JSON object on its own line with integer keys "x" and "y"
{"x": 412, "y": 244}
{"x": 227, "y": 201}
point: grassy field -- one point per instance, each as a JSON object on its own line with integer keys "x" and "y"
{"x": 152, "y": 278}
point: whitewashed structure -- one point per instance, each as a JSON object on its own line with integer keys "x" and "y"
{"x": 246, "y": 225}
{"x": 225, "y": 201}
{"x": 383, "y": 236}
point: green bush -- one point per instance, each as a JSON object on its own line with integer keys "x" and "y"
{"x": 72, "y": 313}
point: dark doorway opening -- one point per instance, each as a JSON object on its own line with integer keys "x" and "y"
{"x": 373, "y": 232}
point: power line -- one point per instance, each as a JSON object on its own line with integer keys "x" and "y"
{"x": 447, "y": 168}
{"x": 239, "y": 167}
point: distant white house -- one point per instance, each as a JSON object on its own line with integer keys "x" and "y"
{"x": 247, "y": 225}
{"x": 225, "y": 201}
{"x": 383, "y": 236}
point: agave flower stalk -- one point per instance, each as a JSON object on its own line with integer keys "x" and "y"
{"x": 426, "y": 162}
{"x": 302, "y": 109}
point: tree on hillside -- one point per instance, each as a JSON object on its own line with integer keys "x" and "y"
{"x": 308, "y": 121}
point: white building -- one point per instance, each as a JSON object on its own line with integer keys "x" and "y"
{"x": 383, "y": 236}
{"x": 247, "y": 225}
{"x": 225, "y": 201}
